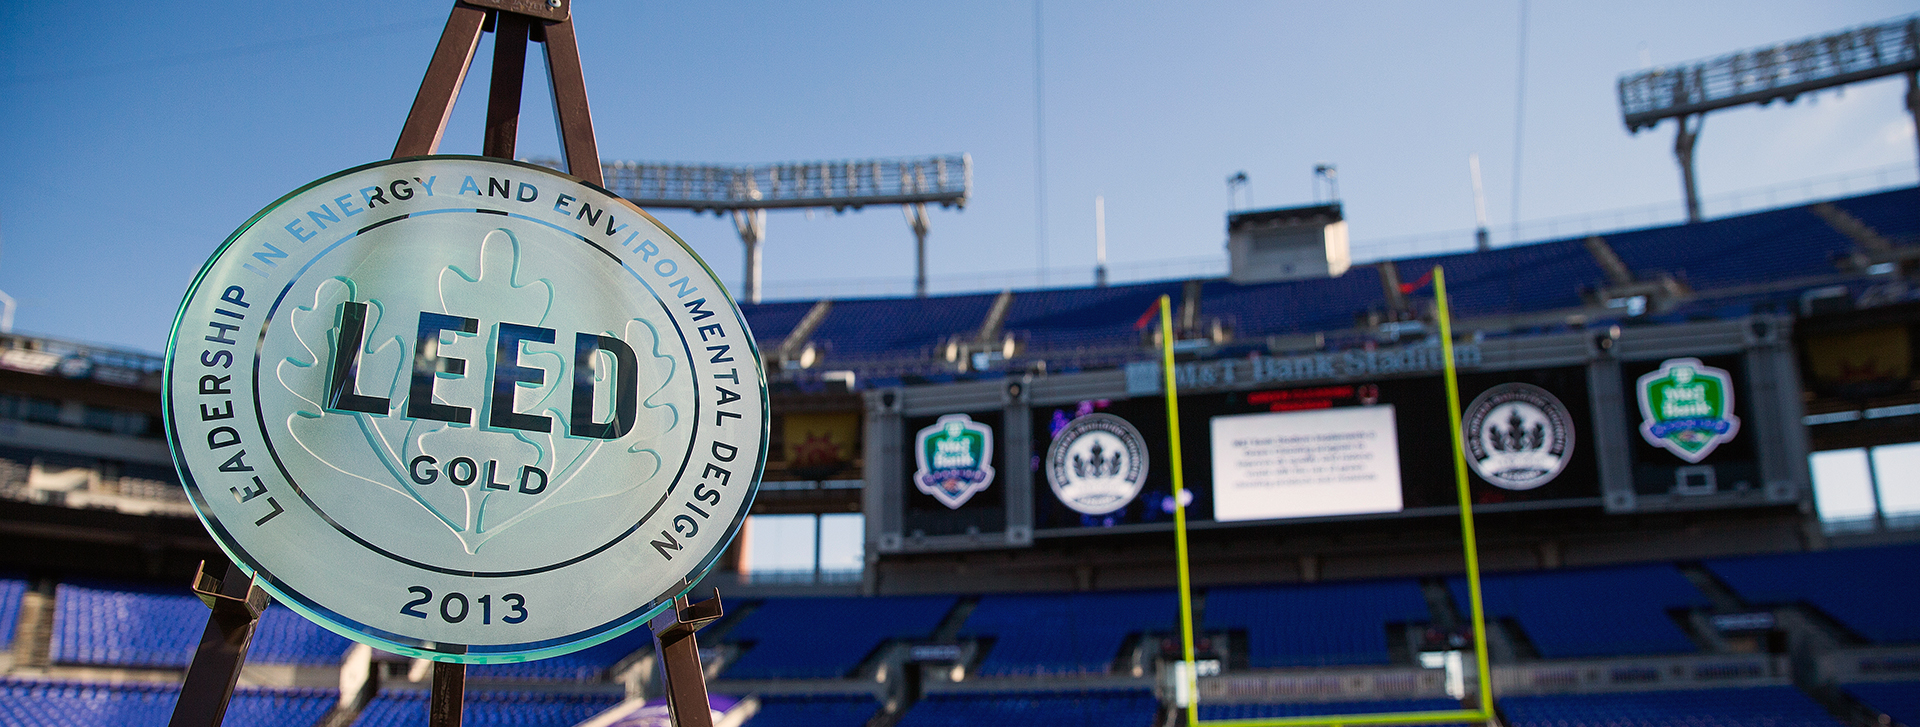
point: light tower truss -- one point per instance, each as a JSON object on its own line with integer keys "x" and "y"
{"x": 746, "y": 192}
{"x": 1783, "y": 71}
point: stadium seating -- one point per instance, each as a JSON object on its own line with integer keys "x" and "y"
{"x": 771, "y": 322}
{"x": 24, "y": 702}
{"x": 1083, "y": 317}
{"x": 1299, "y": 306}
{"x": 285, "y": 637}
{"x": 587, "y": 664}
{"x": 1128, "y": 708}
{"x": 815, "y": 710}
{"x": 1895, "y": 215}
{"x": 1075, "y": 633}
{"x": 1899, "y": 700}
{"x": 12, "y": 589}
{"x": 824, "y": 638}
{"x": 1592, "y": 612}
{"x": 1858, "y": 587}
{"x": 1306, "y": 709}
{"x": 489, "y": 709}
{"x": 1514, "y": 279}
{"x": 1748, "y": 707}
{"x": 1316, "y": 625}
{"x": 107, "y": 624}
{"x": 862, "y": 328}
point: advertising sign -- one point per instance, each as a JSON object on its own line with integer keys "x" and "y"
{"x": 953, "y": 487}
{"x": 465, "y": 409}
{"x": 1343, "y": 461}
{"x": 1097, "y": 464}
{"x": 1686, "y": 407}
{"x": 1517, "y": 436}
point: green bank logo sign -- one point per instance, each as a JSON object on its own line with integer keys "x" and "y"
{"x": 1686, "y": 408}
{"x": 465, "y": 409}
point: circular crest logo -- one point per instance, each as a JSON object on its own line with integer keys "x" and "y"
{"x": 1097, "y": 464}
{"x": 1517, "y": 436}
{"x": 465, "y": 409}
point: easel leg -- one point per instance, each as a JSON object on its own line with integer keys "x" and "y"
{"x": 679, "y": 655}
{"x": 449, "y": 694}
{"x": 216, "y": 663}
{"x": 448, "y": 69}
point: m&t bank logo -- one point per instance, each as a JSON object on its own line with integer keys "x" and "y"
{"x": 952, "y": 459}
{"x": 1686, "y": 407}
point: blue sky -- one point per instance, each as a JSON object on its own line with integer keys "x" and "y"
{"x": 135, "y": 137}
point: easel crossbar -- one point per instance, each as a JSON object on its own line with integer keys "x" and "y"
{"x": 1337, "y": 720}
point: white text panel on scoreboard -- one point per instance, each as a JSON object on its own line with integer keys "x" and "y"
{"x": 1269, "y": 466}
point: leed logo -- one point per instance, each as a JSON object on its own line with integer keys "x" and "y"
{"x": 951, "y": 458}
{"x": 1686, "y": 407}
{"x": 466, "y": 408}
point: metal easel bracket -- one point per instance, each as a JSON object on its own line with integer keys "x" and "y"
{"x": 514, "y": 23}
{"x": 673, "y": 639}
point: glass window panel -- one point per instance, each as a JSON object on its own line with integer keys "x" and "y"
{"x": 1897, "y": 469}
{"x": 1841, "y": 489}
{"x": 843, "y": 541}
{"x": 780, "y": 543}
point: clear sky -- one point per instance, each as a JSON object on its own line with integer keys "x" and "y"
{"x": 134, "y": 137}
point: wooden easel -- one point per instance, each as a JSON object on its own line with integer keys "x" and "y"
{"x": 235, "y": 601}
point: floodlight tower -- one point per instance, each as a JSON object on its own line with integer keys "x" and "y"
{"x": 1686, "y": 92}
{"x": 746, "y": 193}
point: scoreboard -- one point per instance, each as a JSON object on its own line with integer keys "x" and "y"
{"x": 1653, "y": 418}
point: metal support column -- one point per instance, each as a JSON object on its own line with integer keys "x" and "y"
{"x": 236, "y": 605}
{"x": 679, "y": 653}
{"x": 752, "y": 225}
{"x": 449, "y": 694}
{"x": 1683, "y": 151}
{"x": 917, "y": 219}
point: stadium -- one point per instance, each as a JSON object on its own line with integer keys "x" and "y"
{"x": 1663, "y": 425}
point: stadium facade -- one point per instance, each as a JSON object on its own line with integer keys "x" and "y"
{"x": 1641, "y": 410}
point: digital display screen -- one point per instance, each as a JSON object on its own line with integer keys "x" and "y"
{"x": 1292, "y": 464}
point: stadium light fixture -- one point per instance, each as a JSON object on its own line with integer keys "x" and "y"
{"x": 1778, "y": 72}
{"x": 746, "y": 192}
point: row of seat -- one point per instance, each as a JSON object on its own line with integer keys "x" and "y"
{"x": 26, "y": 703}
{"x": 1566, "y": 614}
{"x": 1571, "y": 613}
{"x": 77, "y": 704}
{"x": 1764, "y": 247}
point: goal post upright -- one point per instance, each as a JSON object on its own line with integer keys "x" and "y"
{"x": 1470, "y": 549}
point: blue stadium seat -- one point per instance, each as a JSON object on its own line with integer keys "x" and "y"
{"x": 1298, "y": 306}
{"x": 1749, "y": 707}
{"x": 80, "y": 704}
{"x": 585, "y": 665}
{"x": 1532, "y": 277}
{"x": 872, "y": 327}
{"x": 1756, "y": 248}
{"x": 1071, "y": 318}
{"x": 1869, "y": 590}
{"x": 1895, "y": 214}
{"x": 1899, "y": 700}
{"x": 1128, "y": 708}
{"x": 1592, "y": 612}
{"x": 1068, "y": 633}
{"x": 824, "y": 638}
{"x": 489, "y": 709}
{"x": 771, "y": 322}
{"x": 12, "y": 589}
{"x": 1319, "y": 624}
{"x": 285, "y": 637}
{"x": 815, "y": 710}
{"x": 125, "y": 625}
{"x": 1306, "y": 709}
